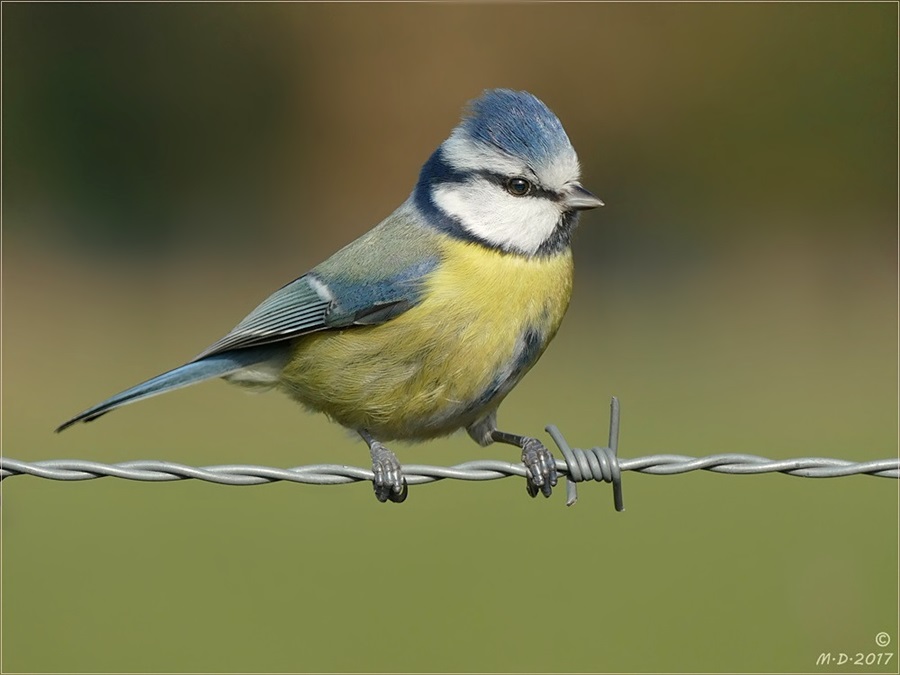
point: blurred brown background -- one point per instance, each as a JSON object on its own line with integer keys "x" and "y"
{"x": 166, "y": 166}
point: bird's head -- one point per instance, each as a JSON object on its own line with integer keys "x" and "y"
{"x": 507, "y": 177}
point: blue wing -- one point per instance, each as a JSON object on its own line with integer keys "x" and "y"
{"x": 317, "y": 302}
{"x": 369, "y": 281}
{"x": 291, "y": 311}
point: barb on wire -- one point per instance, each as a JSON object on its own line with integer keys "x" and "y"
{"x": 598, "y": 464}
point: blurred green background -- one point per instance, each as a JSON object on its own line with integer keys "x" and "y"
{"x": 166, "y": 166}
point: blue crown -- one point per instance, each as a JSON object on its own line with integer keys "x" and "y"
{"x": 518, "y": 124}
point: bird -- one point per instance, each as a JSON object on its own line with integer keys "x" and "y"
{"x": 424, "y": 324}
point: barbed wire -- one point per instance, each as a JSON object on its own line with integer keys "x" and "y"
{"x": 577, "y": 465}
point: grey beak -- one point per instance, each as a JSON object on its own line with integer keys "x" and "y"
{"x": 580, "y": 199}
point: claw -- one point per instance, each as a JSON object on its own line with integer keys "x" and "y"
{"x": 540, "y": 468}
{"x": 388, "y": 480}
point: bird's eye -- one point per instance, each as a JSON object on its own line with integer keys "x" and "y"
{"x": 518, "y": 187}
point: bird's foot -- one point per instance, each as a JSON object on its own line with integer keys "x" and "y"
{"x": 540, "y": 467}
{"x": 389, "y": 481}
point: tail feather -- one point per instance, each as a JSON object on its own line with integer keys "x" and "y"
{"x": 216, "y": 365}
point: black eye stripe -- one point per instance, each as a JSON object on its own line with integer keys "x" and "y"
{"x": 502, "y": 181}
{"x": 437, "y": 170}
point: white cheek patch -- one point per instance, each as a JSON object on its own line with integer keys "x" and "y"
{"x": 492, "y": 215}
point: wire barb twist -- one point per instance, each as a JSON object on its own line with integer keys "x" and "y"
{"x": 598, "y": 464}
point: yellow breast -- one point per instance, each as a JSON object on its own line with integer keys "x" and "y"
{"x": 440, "y": 366}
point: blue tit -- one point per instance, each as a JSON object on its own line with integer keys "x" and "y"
{"x": 424, "y": 324}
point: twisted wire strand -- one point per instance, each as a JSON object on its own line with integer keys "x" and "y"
{"x": 597, "y": 464}
{"x": 419, "y": 474}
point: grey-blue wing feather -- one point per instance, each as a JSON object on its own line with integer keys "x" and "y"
{"x": 299, "y": 308}
{"x": 293, "y": 310}
{"x": 371, "y": 280}
{"x": 382, "y": 274}
{"x": 375, "y": 300}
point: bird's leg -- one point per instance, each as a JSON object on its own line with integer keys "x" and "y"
{"x": 540, "y": 466}
{"x": 389, "y": 482}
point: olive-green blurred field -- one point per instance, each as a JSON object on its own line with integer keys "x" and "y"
{"x": 167, "y": 166}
